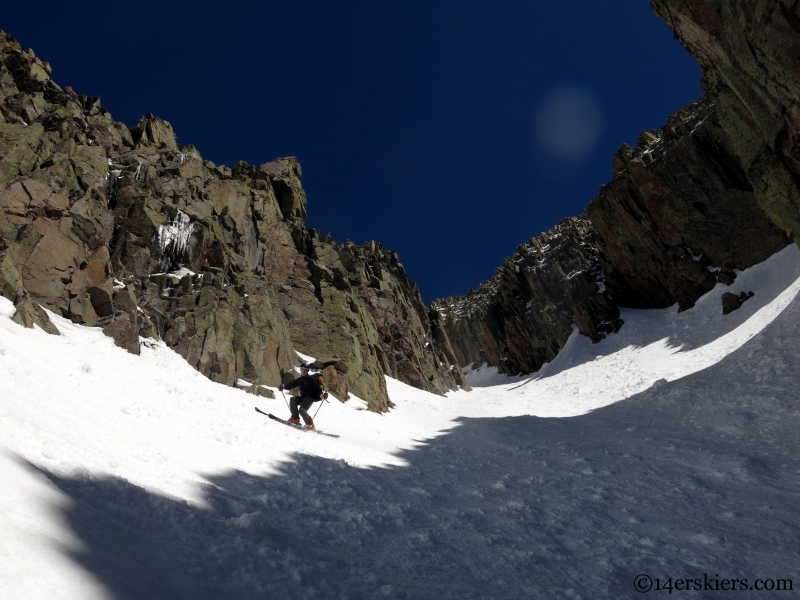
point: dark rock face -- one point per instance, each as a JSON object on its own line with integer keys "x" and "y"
{"x": 127, "y": 230}
{"x": 717, "y": 189}
{"x": 720, "y": 180}
{"x": 749, "y": 50}
{"x": 523, "y": 316}
{"x": 731, "y": 302}
{"x": 407, "y": 350}
{"x": 679, "y": 215}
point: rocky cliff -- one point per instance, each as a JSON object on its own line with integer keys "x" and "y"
{"x": 125, "y": 229}
{"x": 522, "y": 317}
{"x": 716, "y": 189}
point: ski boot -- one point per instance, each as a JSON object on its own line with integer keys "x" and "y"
{"x": 309, "y": 426}
{"x": 293, "y": 421}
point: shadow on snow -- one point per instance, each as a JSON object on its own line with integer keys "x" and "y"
{"x": 690, "y": 477}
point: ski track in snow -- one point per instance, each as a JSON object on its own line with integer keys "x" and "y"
{"x": 668, "y": 449}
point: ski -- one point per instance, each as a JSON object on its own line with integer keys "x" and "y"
{"x": 274, "y": 418}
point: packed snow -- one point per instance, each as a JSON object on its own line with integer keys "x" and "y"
{"x": 668, "y": 450}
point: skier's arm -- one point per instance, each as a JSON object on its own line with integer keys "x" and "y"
{"x": 292, "y": 384}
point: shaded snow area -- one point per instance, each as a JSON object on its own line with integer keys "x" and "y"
{"x": 669, "y": 449}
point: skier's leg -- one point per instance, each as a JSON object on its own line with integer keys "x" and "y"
{"x": 305, "y": 404}
{"x": 294, "y": 409}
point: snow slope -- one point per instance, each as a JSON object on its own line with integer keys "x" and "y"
{"x": 652, "y": 346}
{"x": 668, "y": 449}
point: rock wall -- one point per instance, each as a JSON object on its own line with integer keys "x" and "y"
{"x": 716, "y": 189}
{"x": 749, "y": 51}
{"x": 523, "y": 315}
{"x": 125, "y": 229}
{"x": 679, "y": 215}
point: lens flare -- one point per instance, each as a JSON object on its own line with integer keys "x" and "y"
{"x": 568, "y": 122}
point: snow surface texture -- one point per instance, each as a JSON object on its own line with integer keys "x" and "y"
{"x": 669, "y": 449}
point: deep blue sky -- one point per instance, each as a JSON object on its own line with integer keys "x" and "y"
{"x": 415, "y": 122}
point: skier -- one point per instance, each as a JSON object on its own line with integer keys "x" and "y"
{"x": 310, "y": 392}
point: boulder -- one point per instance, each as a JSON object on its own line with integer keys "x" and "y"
{"x": 28, "y": 314}
{"x": 264, "y": 392}
{"x": 123, "y": 331}
{"x": 321, "y": 363}
{"x": 731, "y": 302}
{"x": 258, "y": 390}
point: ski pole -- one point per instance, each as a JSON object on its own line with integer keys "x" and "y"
{"x": 285, "y": 400}
{"x": 320, "y": 407}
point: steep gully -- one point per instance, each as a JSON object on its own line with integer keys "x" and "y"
{"x": 125, "y": 229}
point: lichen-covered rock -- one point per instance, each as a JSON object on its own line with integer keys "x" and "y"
{"x": 285, "y": 175}
{"x": 127, "y": 230}
{"x": 152, "y": 130}
{"x": 123, "y": 331}
{"x": 406, "y": 346}
{"x": 335, "y": 382}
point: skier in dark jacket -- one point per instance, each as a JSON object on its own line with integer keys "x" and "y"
{"x": 310, "y": 392}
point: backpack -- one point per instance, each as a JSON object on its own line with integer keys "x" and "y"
{"x": 321, "y": 383}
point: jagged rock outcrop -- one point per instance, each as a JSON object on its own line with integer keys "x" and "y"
{"x": 749, "y": 50}
{"x": 720, "y": 180}
{"x": 408, "y": 350}
{"x": 522, "y": 317}
{"x": 679, "y": 214}
{"x": 125, "y": 229}
{"x": 716, "y": 189}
